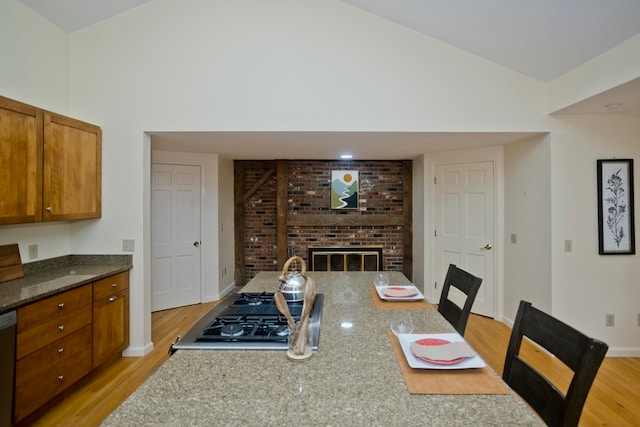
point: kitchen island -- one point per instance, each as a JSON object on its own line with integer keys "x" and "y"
{"x": 353, "y": 379}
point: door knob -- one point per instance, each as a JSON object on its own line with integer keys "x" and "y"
{"x": 487, "y": 247}
{"x": 196, "y": 244}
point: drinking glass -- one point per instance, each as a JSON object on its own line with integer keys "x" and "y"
{"x": 381, "y": 279}
{"x": 401, "y": 322}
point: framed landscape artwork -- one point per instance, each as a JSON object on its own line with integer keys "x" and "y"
{"x": 344, "y": 189}
{"x": 616, "y": 231}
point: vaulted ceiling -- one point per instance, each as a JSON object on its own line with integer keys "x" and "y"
{"x": 541, "y": 39}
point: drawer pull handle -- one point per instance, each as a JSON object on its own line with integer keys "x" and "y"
{"x": 61, "y": 350}
{"x": 113, "y": 298}
{"x": 61, "y": 327}
{"x": 60, "y": 377}
{"x": 49, "y": 209}
{"x": 61, "y": 305}
{"x": 113, "y": 285}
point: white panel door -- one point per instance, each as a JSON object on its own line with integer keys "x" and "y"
{"x": 175, "y": 236}
{"x": 464, "y": 233}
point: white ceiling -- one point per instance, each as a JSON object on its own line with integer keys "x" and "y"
{"x": 542, "y": 39}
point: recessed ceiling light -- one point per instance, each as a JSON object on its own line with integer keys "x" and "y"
{"x": 346, "y": 156}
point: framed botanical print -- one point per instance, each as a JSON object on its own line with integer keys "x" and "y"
{"x": 616, "y": 230}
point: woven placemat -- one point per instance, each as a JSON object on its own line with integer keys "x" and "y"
{"x": 447, "y": 381}
{"x": 397, "y": 305}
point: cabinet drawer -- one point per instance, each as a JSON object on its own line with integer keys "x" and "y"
{"x": 49, "y": 331}
{"x": 38, "y": 390}
{"x": 110, "y": 285}
{"x": 34, "y": 314}
{"x": 72, "y": 347}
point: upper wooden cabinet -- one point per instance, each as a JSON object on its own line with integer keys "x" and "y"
{"x": 72, "y": 169}
{"x": 21, "y": 129}
{"x": 50, "y": 166}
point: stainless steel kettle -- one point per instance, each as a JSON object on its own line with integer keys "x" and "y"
{"x": 293, "y": 282}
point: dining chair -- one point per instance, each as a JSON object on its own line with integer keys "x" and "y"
{"x": 468, "y": 284}
{"x": 583, "y": 355}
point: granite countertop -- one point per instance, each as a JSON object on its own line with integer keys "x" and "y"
{"x": 52, "y": 276}
{"x": 353, "y": 379}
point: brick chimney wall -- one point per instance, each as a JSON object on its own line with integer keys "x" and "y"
{"x": 309, "y": 184}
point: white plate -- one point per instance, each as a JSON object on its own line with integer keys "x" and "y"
{"x": 416, "y": 297}
{"x": 413, "y": 361}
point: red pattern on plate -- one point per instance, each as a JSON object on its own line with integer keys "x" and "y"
{"x": 436, "y": 341}
{"x": 399, "y": 288}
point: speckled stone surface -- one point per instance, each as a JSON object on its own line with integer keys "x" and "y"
{"x": 353, "y": 379}
{"x": 52, "y": 276}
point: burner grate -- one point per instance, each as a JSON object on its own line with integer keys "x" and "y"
{"x": 248, "y": 321}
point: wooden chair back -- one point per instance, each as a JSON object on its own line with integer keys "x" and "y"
{"x": 469, "y": 285}
{"x": 583, "y": 355}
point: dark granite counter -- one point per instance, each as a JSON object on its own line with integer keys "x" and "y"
{"x": 353, "y": 379}
{"x": 52, "y": 276}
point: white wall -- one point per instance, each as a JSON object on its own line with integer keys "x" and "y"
{"x": 586, "y": 285}
{"x": 34, "y": 58}
{"x": 527, "y": 214}
{"x": 226, "y": 216}
{"x": 419, "y": 233}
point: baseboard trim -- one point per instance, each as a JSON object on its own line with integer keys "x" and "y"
{"x": 138, "y": 351}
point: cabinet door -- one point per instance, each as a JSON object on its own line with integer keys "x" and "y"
{"x": 72, "y": 169}
{"x": 110, "y": 327}
{"x": 20, "y": 162}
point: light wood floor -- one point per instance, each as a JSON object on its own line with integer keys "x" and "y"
{"x": 614, "y": 399}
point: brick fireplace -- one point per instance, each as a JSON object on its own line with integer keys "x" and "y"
{"x": 283, "y": 208}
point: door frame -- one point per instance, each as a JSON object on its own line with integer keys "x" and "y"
{"x": 494, "y": 154}
{"x": 175, "y": 295}
{"x": 209, "y": 263}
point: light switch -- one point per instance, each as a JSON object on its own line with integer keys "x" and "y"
{"x": 514, "y": 238}
{"x": 129, "y": 245}
{"x": 568, "y": 246}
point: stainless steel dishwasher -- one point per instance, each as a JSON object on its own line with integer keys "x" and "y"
{"x": 7, "y": 365}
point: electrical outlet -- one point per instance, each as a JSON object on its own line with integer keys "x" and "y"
{"x": 568, "y": 245}
{"x": 33, "y": 251}
{"x": 514, "y": 238}
{"x": 610, "y": 319}
{"x": 129, "y": 245}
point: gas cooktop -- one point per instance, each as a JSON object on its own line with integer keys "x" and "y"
{"x": 247, "y": 321}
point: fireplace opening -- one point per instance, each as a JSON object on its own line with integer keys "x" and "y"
{"x": 345, "y": 258}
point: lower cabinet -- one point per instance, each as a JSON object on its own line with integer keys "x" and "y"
{"x": 61, "y": 338}
{"x": 110, "y": 317}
